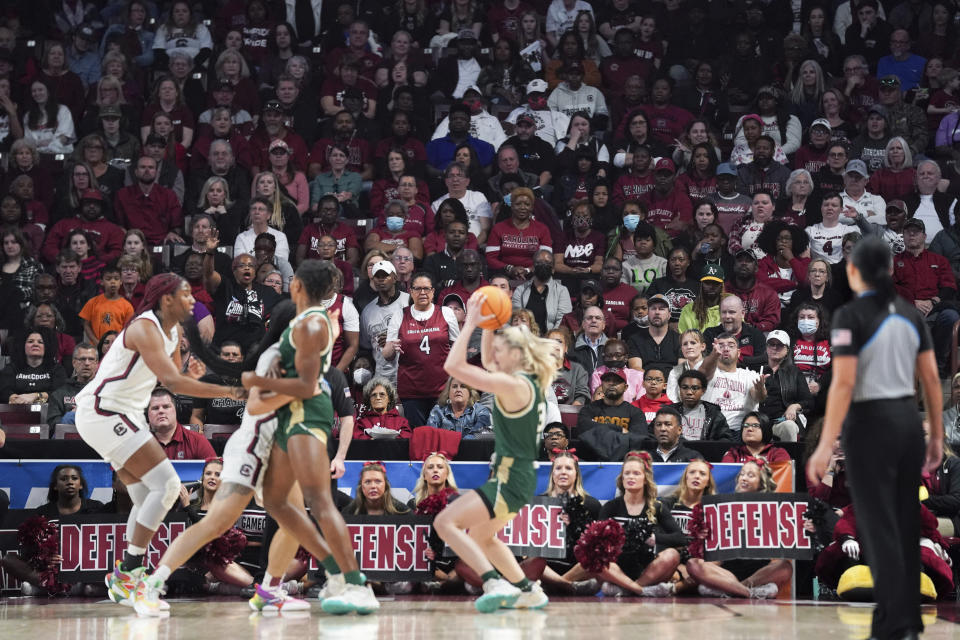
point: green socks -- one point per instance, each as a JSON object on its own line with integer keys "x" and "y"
{"x": 490, "y": 575}
{"x": 330, "y": 565}
{"x": 523, "y": 585}
{"x": 355, "y": 577}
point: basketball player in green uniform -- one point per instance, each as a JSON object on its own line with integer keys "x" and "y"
{"x": 304, "y": 425}
{"x": 517, "y": 368}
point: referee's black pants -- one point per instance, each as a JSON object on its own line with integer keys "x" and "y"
{"x": 884, "y": 447}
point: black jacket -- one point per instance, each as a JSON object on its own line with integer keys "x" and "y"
{"x": 941, "y": 203}
{"x": 944, "y": 500}
{"x": 715, "y": 425}
{"x": 793, "y": 389}
{"x": 680, "y": 454}
{"x": 749, "y": 335}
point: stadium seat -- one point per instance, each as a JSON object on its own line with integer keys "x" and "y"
{"x": 66, "y": 432}
{"x": 21, "y": 414}
{"x": 569, "y": 414}
{"x": 26, "y": 431}
{"x": 219, "y": 431}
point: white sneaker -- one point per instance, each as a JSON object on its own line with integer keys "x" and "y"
{"x": 707, "y": 592}
{"x": 765, "y": 591}
{"x": 354, "y": 597}
{"x": 274, "y": 600}
{"x": 332, "y": 587}
{"x": 497, "y": 594}
{"x": 146, "y": 599}
{"x": 611, "y": 590}
{"x": 662, "y": 590}
{"x": 535, "y": 598}
{"x": 400, "y": 588}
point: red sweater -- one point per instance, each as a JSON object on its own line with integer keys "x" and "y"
{"x": 892, "y": 185}
{"x": 761, "y": 305}
{"x": 742, "y": 454}
{"x": 663, "y": 210}
{"x": 696, "y": 188}
{"x": 630, "y": 186}
{"x": 922, "y": 277}
{"x": 508, "y": 245}
{"x": 768, "y": 273}
{"x": 389, "y": 420}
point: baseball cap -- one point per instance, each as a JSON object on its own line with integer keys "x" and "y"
{"x": 92, "y": 194}
{"x": 712, "y": 272}
{"x": 526, "y": 117}
{"x": 279, "y": 144}
{"x": 821, "y": 122}
{"x": 857, "y": 166}
{"x": 592, "y": 285}
{"x": 453, "y": 297}
{"x": 155, "y": 138}
{"x": 745, "y": 252}
{"x": 466, "y": 34}
{"x": 779, "y": 334}
{"x": 618, "y": 373}
{"x": 537, "y": 85}
{"x": 665, "y": 164}
{"x": 87, "y": 33}
{"x": 659, "y": 297}
{"x": 110, "y": 111}
{"x": 899, "y": 205}
{"x": 384, "y": 265}
{"x": 224, "y": 85}
{"x": 878, "y": 109}
{"x": 273, "y": 105}
{"x": 890, "y": 80}
{"x": 915, "y": 222}
{"x": 726, "y": 169}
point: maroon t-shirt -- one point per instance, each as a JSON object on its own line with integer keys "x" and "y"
{"x": 581, "y": 252}
{"x": 667, "y": 122}
{"x": 615, "y": 71}
{"x": 187, "y": 445}
{"x": 343, "y": 233}
{"x": 630, "y": 186}
{"x": 506, "y": 22}
{"x": 425, "y": 347}
{"x": 617, "y": 301}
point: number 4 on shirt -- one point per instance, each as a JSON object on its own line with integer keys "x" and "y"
{"x": 425, "y": 345}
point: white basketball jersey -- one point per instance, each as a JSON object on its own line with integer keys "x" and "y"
{"x": 124, "y": 382}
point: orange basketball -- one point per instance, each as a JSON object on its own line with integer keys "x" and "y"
{"x": 496, "y": 304}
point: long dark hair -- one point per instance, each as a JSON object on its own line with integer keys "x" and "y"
{"x": 37, "y": 114}
{"x": 52, "y": 490}
{"x": 872, "y": 258}
{"x": 50, "y": 346}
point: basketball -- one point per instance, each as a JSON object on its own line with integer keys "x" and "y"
{"x": 496, "y": 304}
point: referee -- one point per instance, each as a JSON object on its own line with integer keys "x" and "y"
{"x": 879, "y": 343}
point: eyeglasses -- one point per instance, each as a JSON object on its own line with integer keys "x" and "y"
{"x": 403, "y": 258}
{"x": 421, "y": 289}
{"x": 752, "y": 425}
{"x": 840, "y": 154}
{"x": 653, "y": 380}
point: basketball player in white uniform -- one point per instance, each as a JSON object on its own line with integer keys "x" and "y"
{"x": 110, "y": 416}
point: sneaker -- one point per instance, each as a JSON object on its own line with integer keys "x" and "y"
{"x": 353, "y": 598}
{"x": 611, "y": 590}
{"x": 497, "y": 594}
{"x": 662, "y": 590}
{"x": 586, "y": 587}
{"x": 146, "y": 598}
{"x": 122, "y": 584}
{"x": 332, "y": 587}
{"x": 401, "y": 588}
{"x": 707, "y": 592}
{"x": 764, "y": 591}
{"x": 275, "y": 600}
{"x": 535, "y": 598}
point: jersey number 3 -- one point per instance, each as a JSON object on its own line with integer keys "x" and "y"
{"x": 425, "y": 345}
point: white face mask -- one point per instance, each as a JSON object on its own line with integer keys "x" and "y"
{"x": 362, "y": 376}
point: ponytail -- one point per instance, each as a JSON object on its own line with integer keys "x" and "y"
{"x": 537, "y": 354}
{"x": 873, "y": 259}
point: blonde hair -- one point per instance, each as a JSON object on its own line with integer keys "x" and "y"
{"x": 577, "y": 489}
{"x": 527, "y": 316}
{"x": 279, "y": 197}
{"x": 682, "y": 493}
{"x": 146, "y": 264}
{"x": 767, "y": 483}
{"x": 649, "y": 485}
{"x": 231, "y": 53}
{"x": 110, "y": 82}
{"x": 420, "y": 488}
{"x": 212, "y": 180}
{"x": 537, "y": 354}
{"x": 472, "y": 398}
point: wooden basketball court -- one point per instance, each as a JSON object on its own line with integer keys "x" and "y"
{"x": 450, "y": 617}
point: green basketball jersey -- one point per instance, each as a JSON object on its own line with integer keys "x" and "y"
{"x": 518, "y": 434}
{"x": 316, "y": 411}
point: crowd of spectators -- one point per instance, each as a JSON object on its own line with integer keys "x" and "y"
{"x": 668, "y": 190}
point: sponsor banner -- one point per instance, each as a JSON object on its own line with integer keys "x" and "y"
{"x": 27, "y": 481}
{"x": 756, "y": 525}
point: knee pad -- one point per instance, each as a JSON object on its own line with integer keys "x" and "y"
{"x": 164, "y": 486}
{"x": 138, "y": 492}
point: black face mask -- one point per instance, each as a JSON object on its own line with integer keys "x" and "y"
{"x": 543, "y": 272}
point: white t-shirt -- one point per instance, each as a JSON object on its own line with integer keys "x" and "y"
{"x": 928, "y": 214}
{"x": 348, "y": 313}
{"x": 640, "y": 273}
{"x": 476, "y": 205}
{"x": 245, "y": 240}
{"x": 469, "y": 72}
{"x": 483, "y": 126}
{"x": 827, "y": 242}
{"x": 551, "y": 125}
{"x": 559, "y": 20}
{"x": 731, "y": 392}
{"x": 869, "y": 205}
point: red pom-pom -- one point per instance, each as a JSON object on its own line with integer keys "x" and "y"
{"x": 698, "y": 531}
{"x": 223, "y": 550}
{"x": 39, "y": 542}
{"x": 303, "y": 555}
{"x": 432, "y": 505}
{"x": 600, "y": 544}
